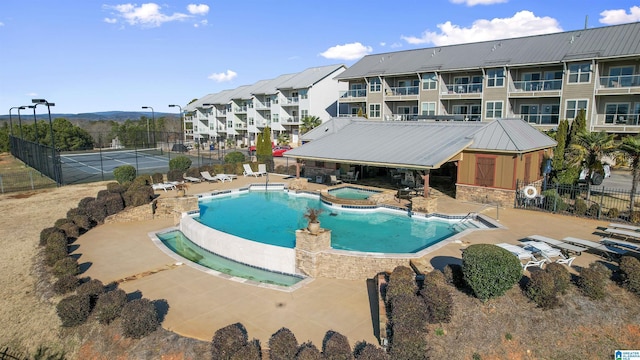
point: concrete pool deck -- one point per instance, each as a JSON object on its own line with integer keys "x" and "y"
{"x": 200, "y": 304}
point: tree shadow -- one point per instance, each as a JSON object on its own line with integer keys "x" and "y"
{"x": 439, "y": 262}
{"x": 136, "y": 295}
{"x": 162, "y": 308}
{"x": 84, "y": 267}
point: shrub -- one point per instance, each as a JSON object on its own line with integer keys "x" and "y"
{"x": 65, "y": 284}
{"x": 365, "y": 351}
{"x": 175, "y": 175}
{"x": 408, "y": 310}
{"x": 308, "y": 351}
{"x": 234, "y": 157}
{"x": 97, "y": 211}
{"x": 116, "y": 188}
{"x": 490, "y": 270}
{"x": 630, "y": 268}
{"x": 594, "y": 210}
{"x": 102, "y": 193}
{"x": 552, "y": 200}
{"x": 53, "y": 254}
{"x": 613, "y": 213}
{"x": 71, "y": 230}
{"x": 180, "y": 162}
{"x": 407, "y": 343}
{"x": 541, "y": 289}
{"x": 157, "y": 178}
{"x": 193, "y": 172}
{"x": 113, "y": 203}
{"x": 93, "y": 288}
{"x": 139, "y": 182}
{"x": 283, "y": 345}
{"x": 66, "y": 266}
{"x": 138, "y": 196}
{"x": 453, "y": 275}
{"x": 433, "y": 278}
{"x": 401, "y": 281}
{"x": 47, "y": 232}
{"x": 438, "y": 302}
{"x": 335, "y": 346}
{"x": 580, "y": 207}
{"x": 139, "y": 318}
{"x": 82, "y": 221}
{"x": 57, "y": 239}
{"x": 593, "y": 281}
{"x": 227, "y": 341}
{"x": 73, "y": 212}
{"x": 231, "y": 168}
{"x": 109, "y": 305}
{"x": 73, "y": 310}
{"x": 635, "y": 217}
{"x": 82, "y": 204}
{"x": 251, "y": 351}
{"x": 561, "y": 277}
{"x": 124, "y": 174}
{"x": 60, "y": 222}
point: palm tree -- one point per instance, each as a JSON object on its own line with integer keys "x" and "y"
{"x": 631, "y": 148}
{"x": 590, "y": 147}
{"x": 309, "y": 122}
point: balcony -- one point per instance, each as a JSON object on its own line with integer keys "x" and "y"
{"x": 291, "y": 120}
{"x": 541, "y": 119}
{"x": 265, "y": 106}
{"x": 291, "y": 101}
{"x": 356, "y": 95}
{"x": 618, "y": 85}
{"x": 619, "y": 123}
{"x": 402, "y": 93}
{"x": 240, "y": 109}
{"x": 401, "y": 117}
{"x": 536, "y": 88}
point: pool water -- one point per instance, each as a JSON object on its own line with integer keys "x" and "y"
{"x": 273, "y": 217}
{"x": 351, "y": 193}
{"x": 177, "y": 242}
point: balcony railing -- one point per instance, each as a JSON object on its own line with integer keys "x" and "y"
{"x": 401, "y": 117}
{"x": 403, "y": 90}
{"x": 621, "y": 119}
{"x": 239, "y": 109}
{"x": 357, "y": 93}
{"x": 291, "y": 120}
{"x": 464, "y": 88}
{"x": 264, "y": 106}
{"x": 542, "y": 119}
{"x": 619, "y": 81}
{"x": 538, "y": 85}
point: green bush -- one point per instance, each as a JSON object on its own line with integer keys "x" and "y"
{"x": 180, "y": 162}
{"x": 630, "y": 268}
{"x": 635, "y": 217}
{"x": 594, "y": 210}
{"x": 552, "y": 200}
{"x": 613, "y": 213}
{"x": 93, "y": 288}
{"x": 438, "y": 302}
{"x": 74, "y": 310}
{"x": 66, "y": 266}
{"x": 116, "y": 188}
{"x": 109, "y": 305}
{"x": 139, "y": 318}
{"x": 593, "y": 281}
{"x": 490, "y": 270}
{"x": 124, "y": 174}
{"x": 65, "y": 284}
{"x": 193, "y": 172}
{"x": 308, "y": 351}
{"x": 402, "y": 281}
{"x": 227, "y": 341}
{"x": 251, "y": 351}
{"x": 365, "y": 351}
{"x": 47, "y": 232}
{"x": 453, "y": 275}
{"x": 138, "y": 196}
{"x": 139, "y": 182}
{"x": 53, "y": 254}
{"x": 434, "y": 278}
{"x": 541, "y": 289}
{"x": 561, "y": 277}
{"x": 234, "y": 157}
{"x": 580, "y": 207}
{"x": 157, "y": 178}
{"x": 60, "y": 222}
{"x": 283, "y": 345}
{"x": 175, "y": 175}
{"x": 335, "y": 346}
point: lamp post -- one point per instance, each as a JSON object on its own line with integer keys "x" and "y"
{"x": 53, "y": 140}
{"x": 10, "y": 121}
{"x": 35, "y": 122}
{"x": 182, "y": 135}
{"x": 20, "y": 120}
{"x": 153, "y": 116}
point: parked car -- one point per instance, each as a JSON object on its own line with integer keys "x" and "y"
{"x": 597, "y": 177}
{"x": 278, "y": 151}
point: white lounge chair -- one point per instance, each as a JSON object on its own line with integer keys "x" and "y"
{"x": 191, "y": 178}
{"x": 624, "y": 226}
{"x": 162, "y": 186}
{"x": 248, "y": 171}
{"x": 523, "y": 254}
{"x": 629, "y": 234}
{"x": 225, "y": 177}
{"x": 558, "y": 244}
{"x": 621, "y": 243}
{"x": 262, "y": 169}
{"x": 207, "y": 176}
{"x": 606, "y": 250}
{"x": 548, "y": 252}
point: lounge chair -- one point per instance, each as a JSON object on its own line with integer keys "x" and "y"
{"x": 624, "y": 227}
{"x": 606, "y": 250}
{"x": 248, "y": 171}
{"x": 191, "y": 178}
{"x": 352, "y": 179}
{"x": 621, "y": 243}
{"x": 403, "y": 194}
{"x": 162, "y": 186}
{"x": 207, "y": 176}
{"x": 629, "y": 234}
{"x": 548, "y": 252}
{"x": 225, "y": 177}
{"x": 523, "y": 254}
{"x": 569, "y": 248}
{"x": 262, "y": 169}
{"x": 334, "y": 180}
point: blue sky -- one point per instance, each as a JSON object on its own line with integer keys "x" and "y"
{"x": 89, "y": 55}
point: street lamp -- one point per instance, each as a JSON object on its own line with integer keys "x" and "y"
{"x": 53, "y": 141}
{"x": 35, "y": 123}
{"x": 11, "y": 122}
{"x": 153, "y": 116}
{"x": 20, "y": 120}
{"x": 182, "y": 135}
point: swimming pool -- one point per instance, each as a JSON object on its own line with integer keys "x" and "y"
{"x": 177, "y": 242}
{"x": 272, "y": 218}
{"x": 352, "y": 193}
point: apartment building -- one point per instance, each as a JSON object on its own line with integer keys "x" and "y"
{"x": 237, "y": 115}
{"x": 541, "y": 79}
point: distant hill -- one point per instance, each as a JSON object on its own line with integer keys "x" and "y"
{"x": 97, "y": 116}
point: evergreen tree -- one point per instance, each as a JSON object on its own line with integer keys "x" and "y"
{"x": 578, "y": 125}
{"x": 264, "y": 152}
{"x": 561, "y": 138}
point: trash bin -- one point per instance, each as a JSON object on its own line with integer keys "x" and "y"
{"x": 212, "y": 147}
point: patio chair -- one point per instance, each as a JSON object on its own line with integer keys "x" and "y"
{"x": 548, "y": 252}
{"x": 621, "y": 243}
{"x": 334, "y": 180}
{"x": 629, "y": 234}
{"x": 523, "y": 254}
{"x": 191, "y": 178}
{"x": 352, "y": 178}
{"x": 207, "y": 176}
{"x": 403, "y": 194}
{"x": 569, "y": 248}
{"x": 162, "y": 186}
{"x": 262, "y": 169}
{"x": 606, "y": 251}
{"x": 624, "y": 227}
{"x": 248, "y": 171}
{"x": 225, "y": 177}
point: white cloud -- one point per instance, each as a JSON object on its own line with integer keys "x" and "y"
{"x": 199, "y": 9}
{"x": 478, "y": 2}
{"x": 110, "y": 20}
{"x": 32, "y": 94}
{"x": 201, "y": 23}
{"x": 145, "y": 15}
{"x": 620, "y": 16}
{"x": 523, "y": 23}
{"x": 1, "y": 24}
{"x": 396, "y": 45}
{"x": 383, "y": 44}
{"x": 224, "y": 76}
{"x": 351, "y": 51}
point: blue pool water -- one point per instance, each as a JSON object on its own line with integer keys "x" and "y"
{"x": 273, "y": 217}
{"x": 181, "y": 245}
{"x": 351, "y": 193}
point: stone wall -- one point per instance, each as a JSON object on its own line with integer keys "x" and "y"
{"x": 173, "y": 207}
{"x": 485, "y": 195}
{"x": 138, "y": 213}
{"x": 424, "y": 205}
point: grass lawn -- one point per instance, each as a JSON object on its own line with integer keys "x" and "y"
{"x": 16, "y": 176}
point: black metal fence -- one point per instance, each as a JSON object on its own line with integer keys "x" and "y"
{"x": 580, "y": 199}
{"x": 43, "y": 158}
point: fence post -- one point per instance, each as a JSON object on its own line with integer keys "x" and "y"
{"x": 601, "y": 202}
{"x": 31, "y": 180}
{"x": 1, "y": 184}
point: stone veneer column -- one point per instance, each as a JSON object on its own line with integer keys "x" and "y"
{"x": 308, "y": 250}
{"x": 424, "y": 205}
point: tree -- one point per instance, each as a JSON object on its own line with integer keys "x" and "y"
{"x": 561, "y": 139}
{"x": 590, "y": 147}
{"x": 264, "y": 151}
{"x": 631, "y": 148}
{"x": 309, "y": 123}
{"x": 578, "y": 125}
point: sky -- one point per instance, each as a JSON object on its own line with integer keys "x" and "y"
{"x": 93, "y": 55}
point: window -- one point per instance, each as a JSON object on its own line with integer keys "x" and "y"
{"x": 495, "y": 78}
{"x": 304, "y": 94}
{"x": 531, "y": 81}
{"x": 494, "y": 109}
{"x": 550, "y": 114}
{"x": 621, "y": 76}
{"x": 374, "y": 110}
{"x": 485, "y": 170}
{"x": 552, "y": 80}
{"x": 375, "y": 85}
{"x": 304, "y": 113}
{"x": 470, "y": 112}
{"x": 275, "y": 118}
{"x": 573, "y": 106}
{"x": 580, "y": 73}
{"x": 429, "y": 81}
{"x": 530, "y": 113}
{"x": 229, "y": 124}
{"x": 251, "y": 122}
{"x": 616, "y": 113}
{"x": 212, "y": 126}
